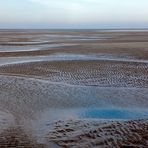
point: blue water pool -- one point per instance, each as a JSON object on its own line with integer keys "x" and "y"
{"x": 112, "y": 113}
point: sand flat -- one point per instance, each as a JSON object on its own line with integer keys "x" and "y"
{"x": 74, "y": 88}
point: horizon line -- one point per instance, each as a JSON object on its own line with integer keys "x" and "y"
{"x": 144, "y": 28}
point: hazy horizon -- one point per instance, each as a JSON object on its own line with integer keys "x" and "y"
{"x": 74, "y": 14}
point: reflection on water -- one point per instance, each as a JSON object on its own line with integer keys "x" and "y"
{"x": 16, "y": 48}
{"x": 68, "y": 56}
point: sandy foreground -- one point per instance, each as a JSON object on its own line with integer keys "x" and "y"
{"x": 74, "y": 88}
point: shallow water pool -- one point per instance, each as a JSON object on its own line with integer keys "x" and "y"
{"x": 95, "y": 113}
{"x": 112, "y": 113}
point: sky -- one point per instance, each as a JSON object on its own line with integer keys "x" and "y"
{"x": 71, "y": 14}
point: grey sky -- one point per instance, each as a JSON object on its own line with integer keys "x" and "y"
{"x": 73, "y": 13}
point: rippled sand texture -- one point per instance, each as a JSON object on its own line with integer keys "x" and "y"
{"x": 118, "y": 134}
{"x": 47, "y": 76}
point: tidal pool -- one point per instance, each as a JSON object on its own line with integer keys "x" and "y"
{"x": 112, "y": 113}
{"x": 94, "y": 113}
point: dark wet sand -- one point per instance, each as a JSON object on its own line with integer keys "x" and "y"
{"x": 118, "y": 134}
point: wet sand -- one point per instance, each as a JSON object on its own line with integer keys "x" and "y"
{"x": 118, "y": 134}
{"x": 74, "y": 88}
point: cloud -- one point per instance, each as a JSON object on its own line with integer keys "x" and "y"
{"x": 67, "y": 3}
{"x": 73, "y": 10}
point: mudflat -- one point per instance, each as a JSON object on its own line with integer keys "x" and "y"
{"x": 73, "y": 88}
